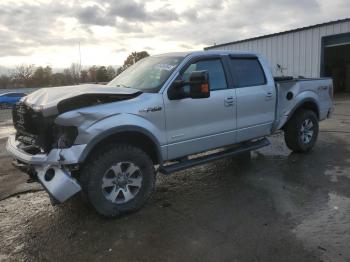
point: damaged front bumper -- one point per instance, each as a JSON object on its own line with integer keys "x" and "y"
{"x": 50, "y": 169}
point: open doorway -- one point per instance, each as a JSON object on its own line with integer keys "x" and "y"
{"x": 337, "y": 66}
{"x": 336, "y": 61}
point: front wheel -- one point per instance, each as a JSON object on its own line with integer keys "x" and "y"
{"x": 118, "y": 181}
{"x": 301, "y": 131}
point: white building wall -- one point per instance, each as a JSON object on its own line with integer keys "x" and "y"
{"x": 298, "y": 52}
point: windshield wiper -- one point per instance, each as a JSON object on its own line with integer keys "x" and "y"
{"x": 121, "y": 85}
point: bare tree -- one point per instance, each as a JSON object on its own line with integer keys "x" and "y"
{"x": 75, "y": 72}
{"x": 5, "y": 81}
{"x": 22, "y": 75}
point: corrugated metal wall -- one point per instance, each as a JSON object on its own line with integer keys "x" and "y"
{"x": 298, "y": 52}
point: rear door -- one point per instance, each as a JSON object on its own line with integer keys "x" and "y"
{"x": 196, "y": 125}
{"x": 256, "y": 97}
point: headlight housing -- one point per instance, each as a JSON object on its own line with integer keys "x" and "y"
{"x": 66, "y": 136}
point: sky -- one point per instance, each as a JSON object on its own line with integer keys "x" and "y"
{"x": 49, "y": 32}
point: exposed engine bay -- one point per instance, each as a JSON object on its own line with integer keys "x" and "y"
{"x": 35, "y": 126}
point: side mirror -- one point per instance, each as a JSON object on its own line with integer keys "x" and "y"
{"x": 199, "y": 84}
{"x": 199, "y": 87}
{"x": 176, "y": 91}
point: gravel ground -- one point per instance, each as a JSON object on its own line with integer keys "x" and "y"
{"x": 279, "y": 207}
{"x": 5, "y": 123}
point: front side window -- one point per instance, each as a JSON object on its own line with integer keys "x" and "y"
{"x": 217, "y": 79}
{"x": 148, "y": 74}
{"x": 247, "y": 72}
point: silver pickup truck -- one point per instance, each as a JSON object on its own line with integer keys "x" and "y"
{"x": 109, "y": 141}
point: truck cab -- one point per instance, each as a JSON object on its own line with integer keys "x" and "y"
{"x": 241, "y": 104}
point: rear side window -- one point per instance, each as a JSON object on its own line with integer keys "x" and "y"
{"x": 215, "y": 70}
{"x": 247, "y": 72}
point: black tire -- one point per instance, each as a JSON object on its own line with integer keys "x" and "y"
{"x": 293, "y": 134}
{"x": 94, "y": 172}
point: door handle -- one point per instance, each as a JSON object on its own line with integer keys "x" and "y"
{"x": 269, "y": 95}
{"x": 229, "y": 101}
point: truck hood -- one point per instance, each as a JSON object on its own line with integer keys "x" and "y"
{"x": 57, "y": 100}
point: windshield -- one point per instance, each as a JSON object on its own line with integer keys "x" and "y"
{"x": 148, "y": 74}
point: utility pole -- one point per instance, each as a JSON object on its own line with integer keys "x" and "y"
{"x": 79, "y": 58}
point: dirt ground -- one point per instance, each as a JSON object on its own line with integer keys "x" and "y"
{"x": 280, "y": 207}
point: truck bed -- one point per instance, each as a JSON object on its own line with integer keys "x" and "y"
{"x": 292, "y": 91}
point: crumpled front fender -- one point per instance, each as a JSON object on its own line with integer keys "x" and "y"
{"x": 121, "y": 123}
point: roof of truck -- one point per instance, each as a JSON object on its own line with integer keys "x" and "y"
{"x": 213, "y": 52}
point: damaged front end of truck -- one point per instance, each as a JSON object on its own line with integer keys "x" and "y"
{"x": 44, "y": 145}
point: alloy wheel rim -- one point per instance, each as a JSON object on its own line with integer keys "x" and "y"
{"x": 306, "y": 131}
{"x": 121, "y": 182}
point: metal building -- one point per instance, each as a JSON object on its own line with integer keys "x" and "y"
{"x": 313, "y": 51}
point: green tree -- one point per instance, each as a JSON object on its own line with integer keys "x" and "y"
{"x": 132, "y": 59}
{"x": 102, "y": 74}
{"x": 58, "y": 79}
{"x": 111, "y": 73}
{"x": 68, "y": 77}
{"x": 92, "y": 72}
{"x": 42, "y": 76}
{"x": 84, "y": 76}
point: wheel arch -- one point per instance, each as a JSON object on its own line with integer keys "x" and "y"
{"x": 309, "y": 103}
{"x": 135, "y": 136}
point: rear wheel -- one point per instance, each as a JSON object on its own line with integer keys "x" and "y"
{"x": 301, "y": 131}
{"x": 118, "y": 181}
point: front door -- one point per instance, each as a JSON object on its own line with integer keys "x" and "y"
{"x": 196, "y": 125}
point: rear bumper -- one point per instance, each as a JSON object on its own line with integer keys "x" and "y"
{"x": 49, "y": 168}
